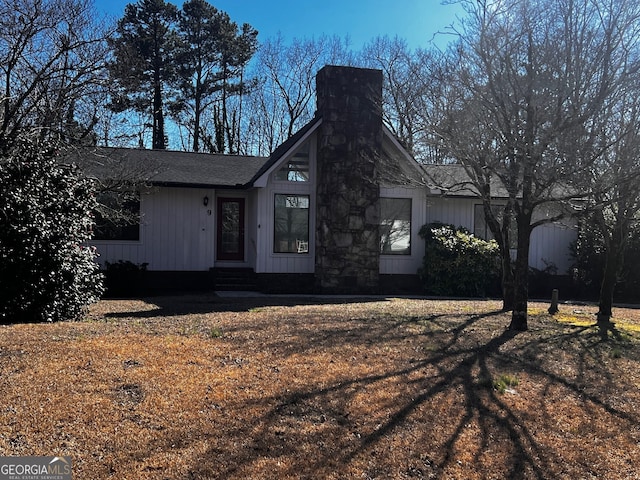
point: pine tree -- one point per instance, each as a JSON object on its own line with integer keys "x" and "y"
{"x": 144, "y": 57}
{"x": 211, "y": 57}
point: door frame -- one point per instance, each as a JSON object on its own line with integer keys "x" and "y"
{"x": 240, "y": 254}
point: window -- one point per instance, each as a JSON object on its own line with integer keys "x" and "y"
{"x": 291, "y": 224}
{"x": 117, "y": 217}
{"x": 481, "y": 227}
{"x": 395, "y": 226}
{"x": 296, "y": 168}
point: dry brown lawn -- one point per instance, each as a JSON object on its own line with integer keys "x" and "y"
{"x": 198, "y": 387}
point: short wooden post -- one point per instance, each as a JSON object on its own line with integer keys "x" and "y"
{"x": 553, "y": 309}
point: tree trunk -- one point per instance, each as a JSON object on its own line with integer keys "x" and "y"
{"x": 614, "y": 252}
{"x": 519, "y": 317}
{"x": 508, "y": 281}
{"x": 196, "y": 118}
{"x": 157, "y": 141}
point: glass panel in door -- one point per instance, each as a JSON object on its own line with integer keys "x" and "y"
{"x": 230, "y": 229}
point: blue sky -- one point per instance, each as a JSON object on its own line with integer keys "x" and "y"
{"x": 416, "y": 21}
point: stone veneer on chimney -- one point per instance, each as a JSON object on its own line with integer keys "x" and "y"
{"x": 348, "y": 192}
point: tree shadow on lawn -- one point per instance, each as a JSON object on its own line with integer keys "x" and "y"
{"x": 316, "y": 431}
{"x": 182, "y": 305}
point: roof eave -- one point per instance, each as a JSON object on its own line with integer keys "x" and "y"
{"x": 238, "y": 186}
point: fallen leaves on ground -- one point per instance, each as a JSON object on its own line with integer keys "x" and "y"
{"x": 201, "y": 387}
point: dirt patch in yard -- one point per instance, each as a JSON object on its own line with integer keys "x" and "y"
{"x": 197, "y": 387}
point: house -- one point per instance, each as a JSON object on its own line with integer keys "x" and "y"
{"x": 336, "y": 208}
{"x": 453, "y": 200}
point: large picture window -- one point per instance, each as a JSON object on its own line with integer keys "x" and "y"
{"x": 117, "y": 217}
{"x": 395, "y": 226}
{"x": 291, "y": 224}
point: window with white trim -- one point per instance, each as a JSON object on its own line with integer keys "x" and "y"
{"x": 291, "y": 224}
{"x": 395, "y": 226}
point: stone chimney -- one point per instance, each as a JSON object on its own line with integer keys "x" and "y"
{"x": 348, "y": 192}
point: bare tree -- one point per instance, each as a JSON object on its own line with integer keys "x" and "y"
{"x": 530, "y": 80}
{"x": 283, "y": 99}
{"x": 52, "y": 56}
{"x": 408, "y": 89}
{"x": 614, "y": 205}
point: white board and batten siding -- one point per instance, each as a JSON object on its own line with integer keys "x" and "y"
{"x": 407, "y": 264}
{"x": 177, "y": 232}
{"x": 267, "y": 261}
{"x": 550, "y": 247}
{"x": 549, "y": 243}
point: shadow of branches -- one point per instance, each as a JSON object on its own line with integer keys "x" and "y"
{"x": 345, "y": 388}
{"x": 430, "y": 411}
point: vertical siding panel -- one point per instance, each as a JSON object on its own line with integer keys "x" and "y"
{"x": 176, "y": 232}
{"x": 204, "y": 232}
{"x": 184, "y": 229}
{"x": 159, "y": 230}
{"x": 171, "y": 232}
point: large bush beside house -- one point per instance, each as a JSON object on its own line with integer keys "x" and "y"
{"x": 457, "y": 263}
{"x": 47, "y": 273}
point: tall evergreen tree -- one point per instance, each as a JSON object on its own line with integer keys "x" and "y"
{"x": 143, "y": 66}
{"x": 212, "y": 55}
{"x": 198, "y": 25}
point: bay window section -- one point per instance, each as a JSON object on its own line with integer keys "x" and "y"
{"x": 291, "y": 224}
{"x": 395, "y": 226}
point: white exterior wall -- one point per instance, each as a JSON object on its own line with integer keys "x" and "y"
{"x": 549, "y": 243}
{"x": 177, "y": 232}
{"x": 450, "y": 210}
{"x": 550, "y": 247}
{"x": 407, "y": 264}
{"x": 266, "y": 260}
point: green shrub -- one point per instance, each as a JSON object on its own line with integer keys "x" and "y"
{"x": 125, "y": 279}
{"x": 505, "y": 382}
{"x": 47, "y": 273}
{"x": 457, "y": 263}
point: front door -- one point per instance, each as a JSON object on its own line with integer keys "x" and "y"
{"x": 230, "y": 229}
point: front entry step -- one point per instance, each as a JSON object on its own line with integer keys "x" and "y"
{"x": 234, "y": 279}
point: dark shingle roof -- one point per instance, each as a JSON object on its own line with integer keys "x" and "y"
{"x": 171, "y": 168}
{"x": 453, "y": 180}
